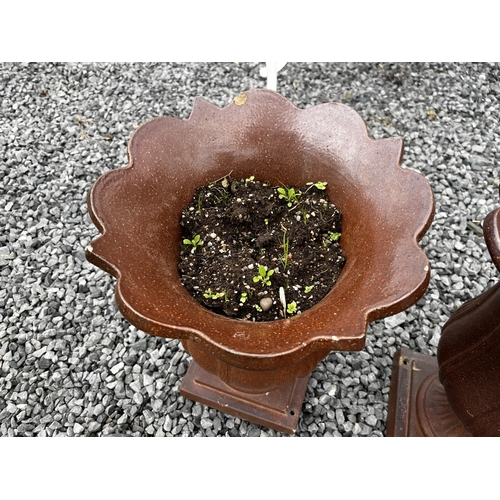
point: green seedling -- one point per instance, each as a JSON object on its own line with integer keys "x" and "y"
{"x": 263, "y": 276}
{"x": 304, "y": 214}
{"x": 307, "y": 289}
{"x": 333, "y": 236}
{"x": 258, "y": 308}
{"x": 214, "y": 296}
{"x": 200, "y": 211}
{"x": 250, "y": 179}
{"x": 291, "y": 308}
{"x": 244, "y": 297}
{"x": 195, "y": 242}
{"x": 318, "y": 185}
{"x": 266, "y": 221}
{"x": 285, "y": 258}
{"x": 289, "y": 195}
{"x": 224, "y": 195}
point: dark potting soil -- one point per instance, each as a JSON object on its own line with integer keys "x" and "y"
{"x": 249, "y": 248}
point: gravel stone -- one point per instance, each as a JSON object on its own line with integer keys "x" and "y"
{"x": 70, "y": 364}
{"x": 348, "y": 426}
{"x": 140, "y": 345}
{"x": 116, "y": 368}
{"x": 206, "y": 423}
{"x": 356, "y": 429}
{"x": 136, "y": 386}
{"x": 157, "y": 405}
{"x": 217, "y": 424}
{"x": 339, "y": 415}
{"x": 396, "y": 320}
{"x": 149, "y": 416}
{"x": 94, "y": 426}
{"x": 197, "y": 410}
{"x": 44, "y": 363}
{"x": 138, "y": 398}
{"x": 122, "y": 420}
{"x": 77, "y": 428}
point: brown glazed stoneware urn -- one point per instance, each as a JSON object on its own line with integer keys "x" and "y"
{"x": 259, "y": 371}
{"x": 456, "y": 394}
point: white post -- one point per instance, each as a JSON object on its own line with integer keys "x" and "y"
{"x": 270, "y": 71}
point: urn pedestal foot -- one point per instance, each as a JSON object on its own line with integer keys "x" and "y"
{"x": 278, "y": 409}
{"x": 418, "y": 405}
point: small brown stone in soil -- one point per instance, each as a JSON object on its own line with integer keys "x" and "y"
{"x": 255, "y": 238}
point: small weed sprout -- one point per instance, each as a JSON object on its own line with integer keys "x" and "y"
{"x": 195, "y": 242}
{"x": 289, "y": 195}
{"x": 200, "y": 211}
{"x": 304, "y": 214}
{"x": 258, "y": 308}
{"x": 333, "y": 236}
{"x": 244, "y": 297}
{"x": 224, "y": 195}
{"x": 214, "y": 296}
{"x": 291, "y": 308}
{"x": 285, "y": 258}
{"x": 318, "y": 185}
{"x": 263, "y": 276}
{"x": 307, "y": 289}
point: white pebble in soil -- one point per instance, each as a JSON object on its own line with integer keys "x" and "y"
{"x": 266, "y": 303}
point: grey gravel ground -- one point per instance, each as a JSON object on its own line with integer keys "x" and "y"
{"x": 71, "y": 365}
